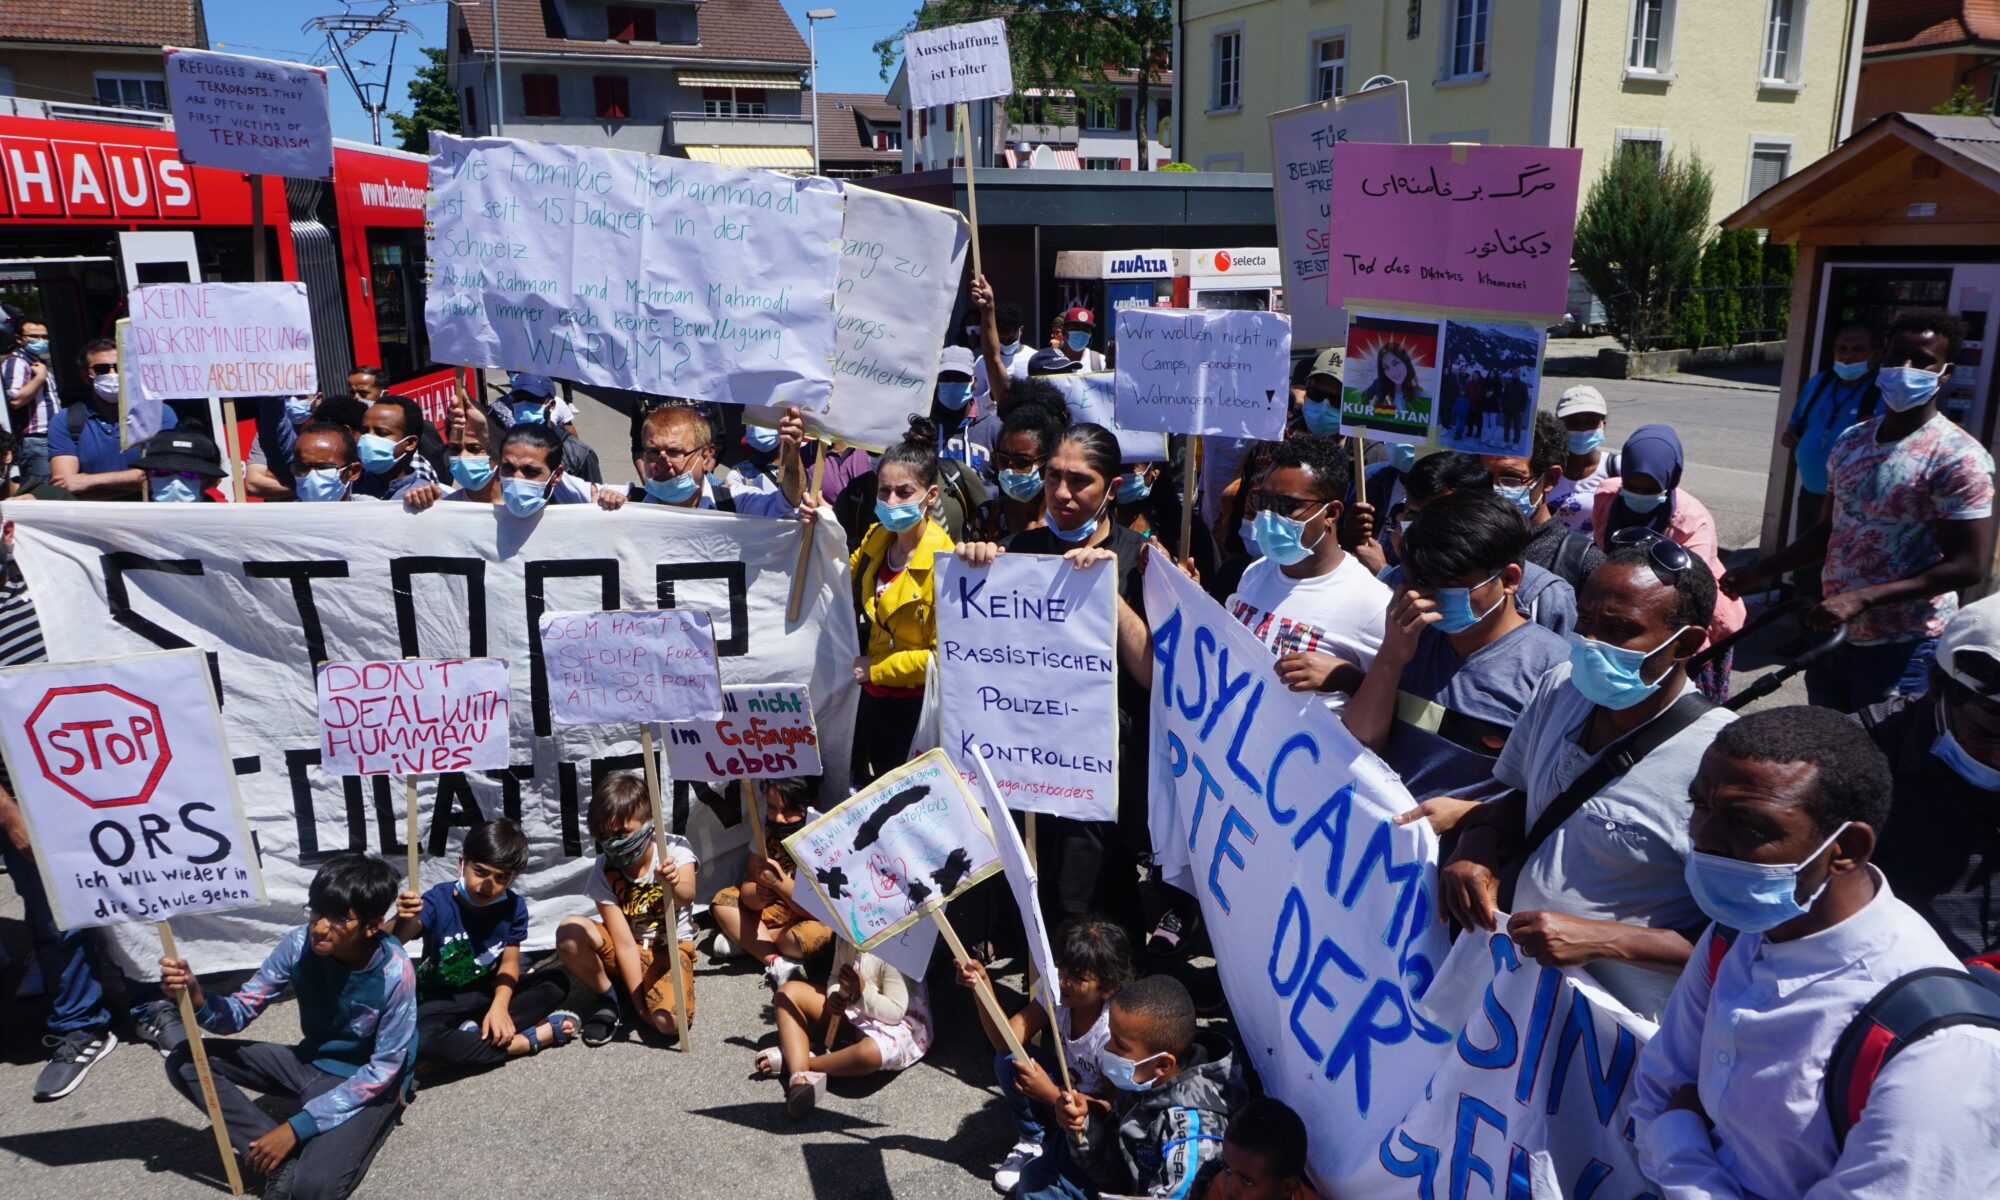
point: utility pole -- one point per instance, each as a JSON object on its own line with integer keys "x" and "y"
{"x": 813, "y": 18}
{"x": 343, "y": 33}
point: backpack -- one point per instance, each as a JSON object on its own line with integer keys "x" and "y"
{"x": 1570, "y": 557}
{"x": 1909, "y": 1008}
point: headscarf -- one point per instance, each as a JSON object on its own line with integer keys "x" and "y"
{"x": 1653, "y": 450}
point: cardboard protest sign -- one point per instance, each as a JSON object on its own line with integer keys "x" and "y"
{"x": 1020, "y": 881}
{"x": 417, "y": 716}
{"x": 764, "y": 732}
{"x": 1094, "y": 399}
{"x": 256, "y": 115}
{"x": 127, "y": 786}
{"x": 1389, "y": 383}
{"x": 894, "y": 850}
{"x": 958, "y": 63}
{"x": 137, "y": 419}
{"x": 270, "y": 591}
{"x": 1304, "y": 141}
{"x": 900, "y": 266}
{"x": 220, "y": 339}
{"x": 1028, "y": 675}
{"x": 1224, "y": 372}
{"x": 908, "y": 950}
{"x": 637, "y": 271}
{"x": 636, "y": 665}
{"x": 1478, "y": 227}
{"x": 1489, "y": 372}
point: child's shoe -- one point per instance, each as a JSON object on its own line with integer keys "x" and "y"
{"x": 721, "y": 948}
{"x": 804, "y": 1093}
{"x": 600, "y": 1026}
{"x": 781, "y": 972}
{"x": 1011, "y": 1167}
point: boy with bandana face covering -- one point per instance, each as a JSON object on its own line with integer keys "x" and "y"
{"x": 622, "y": 947}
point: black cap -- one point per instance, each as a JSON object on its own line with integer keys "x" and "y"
{"x": 182, "y": 450}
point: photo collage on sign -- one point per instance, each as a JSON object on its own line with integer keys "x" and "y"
{"x": 1467, "y": 384}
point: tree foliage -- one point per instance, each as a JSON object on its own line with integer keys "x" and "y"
{"x": 434, "y": 105}
{"x": 1639, "y": 238}
{"x": 1071, "y": 46}
{"x": 1964, "y": 102}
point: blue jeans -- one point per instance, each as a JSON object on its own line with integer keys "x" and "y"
{"x": 31, "y": 459}
{"x": 1028, "y": 1126}
{"x": 1055, "y": 1175}
{"x": 76, "y": 998}
{"x": 1854, "y": 677}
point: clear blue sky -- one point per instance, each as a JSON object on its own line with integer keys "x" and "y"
{"x": 271, "y": 29}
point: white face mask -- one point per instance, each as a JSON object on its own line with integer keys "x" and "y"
{"x": 106, "y": 386}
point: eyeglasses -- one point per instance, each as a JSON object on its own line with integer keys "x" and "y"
{"x": 668, "y": 454}
{"x": 1320, "y": 394}
{"x": 103, "y": 368}
{"x": 1278, "y": 502}
{"x": 313, "y": 916}
{"x": 1016, "y": 462}
{"x": 1668, "y": 555}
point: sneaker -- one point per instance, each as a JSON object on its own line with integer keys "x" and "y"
{"x": 75, "y": 1053}
{"x": 1169, "y": 936}
{"x": 159, "y": 1025}
{"x": 1011, "y": 1167}
{"x": 781, "y": 972}
{"x": 600, "y": 1026}
{"x": 721, "y": 948}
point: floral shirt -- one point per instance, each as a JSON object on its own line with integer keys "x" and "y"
{"x": 1885, "y": 497}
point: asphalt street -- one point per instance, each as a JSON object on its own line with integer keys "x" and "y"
{"x": 632, "y": 1117}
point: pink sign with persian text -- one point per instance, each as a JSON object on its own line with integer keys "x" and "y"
{"x": 1479, "y": 227}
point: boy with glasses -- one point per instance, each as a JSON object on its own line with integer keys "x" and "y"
{"x": 357, "y": 997}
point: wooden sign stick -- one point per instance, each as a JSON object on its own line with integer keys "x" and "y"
{"x": 1028, "y": 843}
{"x": 229, "y": 450}
{"x": 673, "y": 907}
{"x": 1187, "y": 498}
{"x": 806, "y": 535}
{"x": 971, "y": 197}
{"x": 844, "y": 955}
{"x": 750, "y": 814}
{"x": 200, "y": 1055}
{"x": 984, "y": 990}
{"x": 411, "y": 836}
{"x": 1051, "y": 1002}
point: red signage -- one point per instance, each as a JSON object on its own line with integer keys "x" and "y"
{"x": 108, "y": 174}
{"x": 100, "y": 743}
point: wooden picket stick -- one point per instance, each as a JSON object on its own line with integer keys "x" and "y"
{"x": 673, "y": 907}
{"x": 229, "y": 451}
{"x": 1028, "y": 843}
{"x": 200, "y": 1055}
{"x": 1187, "y": 496}
{"x": 411, "y": 834}
{"x": 806, "y": 535}
{"x": 971, "y": 197}
{"x": 844, "y": 955}
{"x": 982, "y": 989}
{"x": 1051, "y": 1003}
{"x": 751, "y": 814}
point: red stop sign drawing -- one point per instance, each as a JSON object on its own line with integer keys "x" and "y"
{"x": 100, "y": 743}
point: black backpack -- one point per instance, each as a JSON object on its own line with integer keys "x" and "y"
{"x": 1570, "y": 557}
{"x": 1913, "y": 1007}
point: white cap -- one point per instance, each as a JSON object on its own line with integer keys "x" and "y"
{"x": 1969, "y": 649}
{"x": 1581, "y": 399}
{"x": 957, "y": 359}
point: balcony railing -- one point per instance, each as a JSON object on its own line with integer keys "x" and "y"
{"x": 776, "y": 129}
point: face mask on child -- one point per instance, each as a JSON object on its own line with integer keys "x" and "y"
{"x": 627, "y": 849}
{"x": 1123, "y": 1072}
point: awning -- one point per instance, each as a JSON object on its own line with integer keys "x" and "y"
{"x": 723, "y": 79}
{"x": 776, "y": 158}
{"x": 1067, "y": 160}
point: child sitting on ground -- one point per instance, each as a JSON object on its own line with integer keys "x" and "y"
{"x": 357, "y": 997}
{"x": 1263, "y": 1156}
{"x": 886, "y": 1027}
{"x": 758, "y": 916}
{"x": 1093, "y": 960}
{"x": 622, "y": 947}
{"x": 1169, "y": 1115}
{"x": 474, "y": 1011}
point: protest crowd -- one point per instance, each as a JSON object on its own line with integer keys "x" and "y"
{"x": 1348, "y": 793}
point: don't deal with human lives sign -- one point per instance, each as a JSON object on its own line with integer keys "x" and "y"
{"x": 128, "y": 788}
{"x": 189, "y": 340}
{"x": 418, "y": 716}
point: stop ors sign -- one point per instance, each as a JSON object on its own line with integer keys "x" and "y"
{"x": 100, "y": 743}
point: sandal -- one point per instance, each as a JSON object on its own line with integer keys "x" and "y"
{"x": 804, "y": 1093}
{"x": 770, "y": 1061}
{"x": 563, "y": 1024}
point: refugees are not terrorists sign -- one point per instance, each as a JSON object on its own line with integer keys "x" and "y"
{"x": 637, "y": 271}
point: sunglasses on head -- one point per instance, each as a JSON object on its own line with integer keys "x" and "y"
{"x": 1668, "y": 555}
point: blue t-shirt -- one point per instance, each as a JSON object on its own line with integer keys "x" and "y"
{"x": 96, "y": 450}
{"x": 462, "y": 944}
{"x": 1826, "y": 408}
{"x": 1453, "y": 715}
{"x": 1544, "y": 597}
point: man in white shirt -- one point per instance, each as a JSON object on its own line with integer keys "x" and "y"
{"x": 1313, "y": 604}
{"x": 1014, "y": 354}
{"x": 1731, "y": 1093}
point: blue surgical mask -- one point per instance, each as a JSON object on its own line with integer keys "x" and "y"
{"x": 472, "y": 471}
{"x": 1951, "y": 754}
{"x": 1123, "y": 1072}
{"x": 524, "y": 497}
{"x": 1611, "y": 676}
{"x": 38, "y": 346}
{"x": 1134, "y": 487}
{"x": 954, "y": 396}
{"x": 320, "y": 486}
{"x": 1402, "y": 455}
{"x": 174, "y": 491}
{"x": 1522, "y": 497}
{"x": 674, "y": 490}
{"x": 897, "y": 517}
{"x": 1282, "y": 539}
{"x": 1021, "y": 485}
{"x": 1849, "y": 372}
{"x": 1905, "y": 388}
{"x": 1752, "y": 897}
{"x": 1078, "y": 339}
{"x": 378, "y": 454}
{"x": 530, "y": 412}
{"x": 1454, "y": 607}
{"x": 1081, "y": 533}
{"x": 1247, "y": 530}
{"x": 458, "y": 885}
{"x": 299, "y": 409}
{"x": 760, "y": 438}
{"x": 1640, "y": 503}
{"x": 1322, "y": 417}
{"x": 1584, "y": 443}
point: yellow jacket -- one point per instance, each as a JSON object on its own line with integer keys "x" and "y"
{"x": 902, "y": 618}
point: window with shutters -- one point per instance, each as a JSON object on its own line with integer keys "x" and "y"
{"x": 1101, "y": 115}
{"x": 614, "y": 97}
{"x": 1781, "y": 42}
{"x": 1329, "y": 68}
{"x": 540, "y": 96}
{"x": 630, "y": 23}
{"x": 732, "y": 102}
{"x": 1770, "y": 162}
{"x": 1226, "y": 56}
{"x": 1467, "y": 31}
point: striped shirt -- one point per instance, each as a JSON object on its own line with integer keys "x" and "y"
{"x": 32, "y": 420}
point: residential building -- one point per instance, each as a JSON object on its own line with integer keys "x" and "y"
{"x": 1757, "y": 88}
{"x": 101, "y": 52}
{"x": 859, "y": 135}
{"x": 1056, "y": 130}
{"x": 1920, "y": 52}
{"x": 717, "y": 80}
